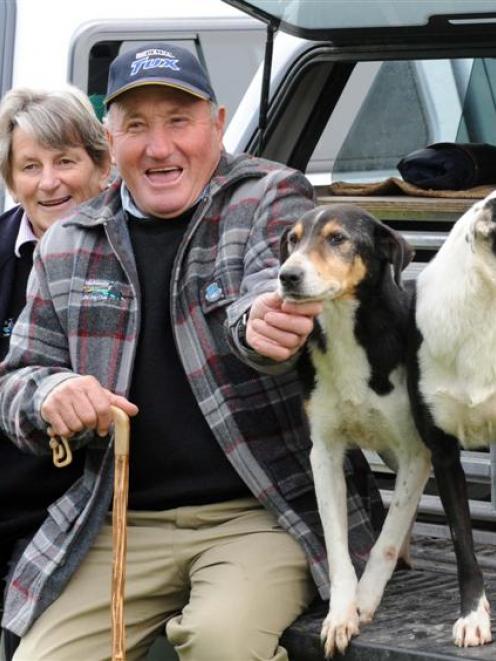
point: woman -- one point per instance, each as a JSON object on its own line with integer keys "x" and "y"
{"x": 53, "y": 156}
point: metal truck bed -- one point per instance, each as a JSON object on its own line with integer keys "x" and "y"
{"x": 415, "y": 618}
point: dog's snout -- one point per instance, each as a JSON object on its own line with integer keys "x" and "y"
{"x": 291, "y": 277}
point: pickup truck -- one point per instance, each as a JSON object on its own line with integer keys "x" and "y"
{"x": 348, "y": 89}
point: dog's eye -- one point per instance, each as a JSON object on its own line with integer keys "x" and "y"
{"x": 292, "y": 240}
{"x": 336, "y": 239}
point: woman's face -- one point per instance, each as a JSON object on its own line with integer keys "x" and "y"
{"x": 48, "y": 183}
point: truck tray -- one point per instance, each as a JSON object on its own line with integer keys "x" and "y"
{"x": 415, "y": 618}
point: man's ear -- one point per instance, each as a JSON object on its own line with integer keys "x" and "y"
{"x": 110, "y": 141}
{"x": 220, "y": 121}
{"x": 393, "y": 247}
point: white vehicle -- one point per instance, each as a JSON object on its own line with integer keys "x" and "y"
{"x": 52, "y": 42}
{"x": 352, "y": 87}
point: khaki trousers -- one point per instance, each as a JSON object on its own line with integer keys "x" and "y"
{"x": 224, "y": 580}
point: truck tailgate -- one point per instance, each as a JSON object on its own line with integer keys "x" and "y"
{"x": 415, "y": 618}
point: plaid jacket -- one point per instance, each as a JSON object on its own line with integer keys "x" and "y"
{"x": 83, "y": 317}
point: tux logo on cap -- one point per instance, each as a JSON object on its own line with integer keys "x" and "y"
{"x": 147, "y": 60}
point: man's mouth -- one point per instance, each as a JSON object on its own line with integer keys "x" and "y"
{"x": 164, "y": 175}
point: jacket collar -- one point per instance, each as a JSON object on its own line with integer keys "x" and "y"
{"x": 98, "y": 210}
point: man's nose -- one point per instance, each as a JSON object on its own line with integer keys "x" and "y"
{"x": 160, "y": 144}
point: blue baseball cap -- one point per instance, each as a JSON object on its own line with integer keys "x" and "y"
{"x": 158, "y": 64}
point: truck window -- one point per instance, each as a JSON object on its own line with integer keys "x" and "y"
{"x": 400, "y": 106}
{"x": 391, "y": 122}
{"x": 478, "y": 120}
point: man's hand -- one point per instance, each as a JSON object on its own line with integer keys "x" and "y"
{"x": 82, "y": 403}
{"x": 278, "y": 329}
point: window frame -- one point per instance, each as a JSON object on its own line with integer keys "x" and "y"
{"x": 187, "y": 29}
{"x": 8, "y": 21}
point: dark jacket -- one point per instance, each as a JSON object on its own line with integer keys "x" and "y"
{"x": 9, "y": 227}
{"x": 28, "y": 484}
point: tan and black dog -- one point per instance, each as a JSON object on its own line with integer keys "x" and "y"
{"x": 356, "y": 389}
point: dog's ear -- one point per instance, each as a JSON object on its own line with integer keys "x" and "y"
{"x": 283, "y": 246}
{"x": 394, "y": 248}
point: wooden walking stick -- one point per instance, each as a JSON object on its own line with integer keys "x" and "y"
{"x": 62, "y": 456}
{"x": 119, "y": 531}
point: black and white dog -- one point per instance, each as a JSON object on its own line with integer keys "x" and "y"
{"x": 453, "y": 384}
{"x": 357, "y": 390}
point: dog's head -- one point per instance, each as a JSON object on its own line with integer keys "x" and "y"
{"x": 478, "y": 227}
{"x": 332, "y": 249}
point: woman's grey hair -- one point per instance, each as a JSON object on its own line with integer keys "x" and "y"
{"x": 56, "y": 119}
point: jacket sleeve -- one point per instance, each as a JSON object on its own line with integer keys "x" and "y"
{"x": 284, "y": 196}
{"x": 37, "y": 361}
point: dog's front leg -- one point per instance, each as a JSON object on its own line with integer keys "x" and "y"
{"x": 474, "y": 626}
{"x": 341, "y": 623}
{"x": 413, "y": 472}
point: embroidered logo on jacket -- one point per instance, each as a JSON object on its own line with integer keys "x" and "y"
{"x": 101, "y": 290}
{"x": 214, "y": 292}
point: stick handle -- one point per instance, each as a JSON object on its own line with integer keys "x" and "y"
{"x": 121, "y": 432}
{"x": 119, "y": 531}
{"x": 61, "y": 449}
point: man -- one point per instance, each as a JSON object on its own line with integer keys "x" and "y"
{"x": 158, "y": 297}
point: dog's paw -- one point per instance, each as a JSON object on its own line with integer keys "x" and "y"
{"x": 369, "y": 595}
{"x": 366, "y": 615}
{"x": 366, "y": 606}
{"x": 475, "y": 628}
{"x": 338, "y": 630}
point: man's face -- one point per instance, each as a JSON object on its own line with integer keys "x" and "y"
{"x": 166, "y": 145}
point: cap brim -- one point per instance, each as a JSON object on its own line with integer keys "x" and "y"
{"x": 161, "y": 83}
